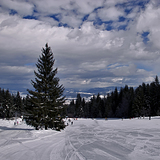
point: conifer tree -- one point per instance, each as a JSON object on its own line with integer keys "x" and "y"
{"x": 155, "y": 97}
{"x": 138, "y": 106}
{"x": 45, "y": 103}
{"x": 78, "y": 105}
{"x": 18, "y": 106}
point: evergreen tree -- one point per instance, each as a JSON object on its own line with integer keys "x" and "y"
{"x": 148, "y": 100}
{"x": 102, "y": 108}
{"x": 98, "y": 100}
{"x": 71, "y": 109}
{"x": 83, "y": 108}
{"x": 8, "y": 104}
{"x": 78, "y": 106}
{"x": 125, "y": 102}
{"x": 108, "y": 106}
{"x": 94, "y": 107}
{"x": 155, "y": 97}
{"x": 1, "y": 103}
{"x": 18, "y": 106}
{"x": 45, "y": 103}
{"x": 138, "y": 107}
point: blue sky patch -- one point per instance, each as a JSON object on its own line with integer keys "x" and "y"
{"x": 144, "y": 36}
{"x": 13, "y": 12}
{"x": 111, "y": 32}
{"x": 30, "y": 17}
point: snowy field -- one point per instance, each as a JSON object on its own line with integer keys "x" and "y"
{"x": 86, "y": 139}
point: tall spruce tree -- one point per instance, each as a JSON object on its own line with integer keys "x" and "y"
{"x": 18, "y": 105}
{"x": 45, "y": 103}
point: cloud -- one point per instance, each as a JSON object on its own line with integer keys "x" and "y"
{"x": 111, "y": 3}
{"x": 124, "y": 70}
{"x": 87, "y": 53}
{"x": 16, "y": 78}
{"x": 86, "y": 81}
{"x": 16, "y": 70}
{"x": 83, "y": 6}
{"x": 149, "y": 21}
{"x": 23, "y": 8}
{"x": 67, "y": 11}
{"x": 93, "y": 66}
{"x": 110, "y": 14}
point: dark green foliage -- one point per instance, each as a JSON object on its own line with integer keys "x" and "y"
{"x": 44, "y": 105}
{"x": 138, "y": 107}
{"x": 7, "y": 104}
{"x": 71, "y": 110}
{"x": 127, "y": 103}
{"x": 155, "y": 97}
{"x": 18, "y": 107}
{"x": 10, "y": 105}
{"x": 78, "y": 108}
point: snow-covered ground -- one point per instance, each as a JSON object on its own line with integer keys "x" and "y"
{"x": 86, "y": 139}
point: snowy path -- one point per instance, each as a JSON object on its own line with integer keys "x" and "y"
{"x": 86, "y": 139}
{"x": 16, "y": 146}
{"x": 114, "y": 140}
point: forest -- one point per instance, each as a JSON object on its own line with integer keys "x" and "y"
{"x": 11, "y": 105}
{"x": 128, "y": 102}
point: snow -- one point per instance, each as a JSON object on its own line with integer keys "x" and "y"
{"x": 91, "y": 139}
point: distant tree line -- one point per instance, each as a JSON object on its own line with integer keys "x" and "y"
{"x": 11, "y": 105}
{"x": 127, "y": 103}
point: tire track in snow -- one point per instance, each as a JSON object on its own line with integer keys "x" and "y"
{"x": 37, "y": 148}
{"x": 50, "y": 147}
{"x": 17, "y": 151}
{"x": 87, "y": 142}
{"x": 74, "y": 152}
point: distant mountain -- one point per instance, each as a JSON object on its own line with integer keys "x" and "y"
{"x": 71, "y": 93}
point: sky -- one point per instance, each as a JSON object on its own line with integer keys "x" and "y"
{"x": 95, "y": 43}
